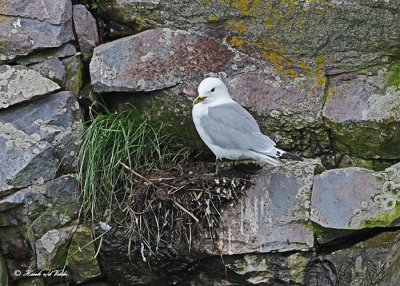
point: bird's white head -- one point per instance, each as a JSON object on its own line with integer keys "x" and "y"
{"x": 211, "y": 89}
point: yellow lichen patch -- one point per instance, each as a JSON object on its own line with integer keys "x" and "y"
{"x": 207, "y": 2}
{"x": 269, "y": 23}
{"x": 291, "y": 73}
{"x": 237, "y": 42}
{"x": 213, "y": 18}
{"x": 239, "y": 27}
{"x": 246, "y": 7}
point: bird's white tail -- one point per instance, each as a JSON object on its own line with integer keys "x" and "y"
{"x": 266, "y": 159}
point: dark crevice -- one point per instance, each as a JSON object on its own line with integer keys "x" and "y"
{"x": 352, "y": 239}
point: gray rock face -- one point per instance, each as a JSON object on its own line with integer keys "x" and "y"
{"x": 364, "y": 114}
{"x": 51, "y": 248}
{"x": 273, "y": 215}
{"x": 358, "y": 264}
{"x": 340, "y": 35}
{"x": 59, "y": 195}
{"x": 86, "y": 29}
{"x": 30, "y": 25}
{"x": 19, "y": 84}
{"x": 65, "y": 50}
{"x": 355, "y": 198}
{"x": 52, "y": 69}
{"x": 155, "y": 59}
{"x": 30, "y": 213}
{"x": 37, "y": 137}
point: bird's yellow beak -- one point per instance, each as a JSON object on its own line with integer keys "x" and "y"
{"x": 198, "y": 99}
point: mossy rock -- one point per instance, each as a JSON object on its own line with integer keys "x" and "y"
{"x": 81, "y": 256}
{"x": 368, "y": 139}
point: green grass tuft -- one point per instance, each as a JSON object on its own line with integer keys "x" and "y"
{"x": 114, "y": 145}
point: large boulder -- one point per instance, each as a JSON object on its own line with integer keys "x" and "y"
{"x": 30, "y": 25}
{"x": 38, "y": 138}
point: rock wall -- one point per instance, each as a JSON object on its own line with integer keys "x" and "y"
{"x": 321, "y": 77}
{"x": 41, "y": 124}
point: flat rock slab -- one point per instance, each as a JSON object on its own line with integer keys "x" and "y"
{"x": 272, "y": 216}
{"x": 363, "y": 113}
{"x": 355, "y": 198}
{"x": 52, "y": 69}
{"x": 19, "y": 84}
{"x": 155, "y": 59}
{"x": 36, "y": 138}
{"x": 64, "y": 51}
{"x": 30, "y": 25}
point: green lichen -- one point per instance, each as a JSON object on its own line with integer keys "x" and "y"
{"x": 367, "y": 139}
{"x": 81, "y": 257}
{"x": 392, "y": 77}
{"x": 74, "y": 74}
{"x": 389, "y": 218}
{"x": 297, "y": 264}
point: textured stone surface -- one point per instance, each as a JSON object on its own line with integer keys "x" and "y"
{"x": 19, "y": 84}
{"x": 340, "y": 35}
{"x": 85, "y": 29}
{"x": 30, "y": 213}
{"x": 355, "y": 198}
{"x": 273, "y": 215}
{"x": 38, "y": 138}
{"x": 155, "y": 59}
{"x": 364, "y": 115}
{"x": 65, "y": 50}
{"x": 51, "y": 248}
{"x": 52, "y": 69}
{"x": 81, "y": 256}
{"x": 30, "y": 25}
{"x": 45, "y": 206}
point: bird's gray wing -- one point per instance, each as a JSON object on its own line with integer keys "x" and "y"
{"x": 230, "y": 126}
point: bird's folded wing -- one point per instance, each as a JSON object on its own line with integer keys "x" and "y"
{"x": 230, "y": 126}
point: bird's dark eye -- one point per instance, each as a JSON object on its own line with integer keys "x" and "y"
{"x": 212, "y": 90}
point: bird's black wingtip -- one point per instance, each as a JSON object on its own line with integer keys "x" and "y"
{"x": 291, "y": 156}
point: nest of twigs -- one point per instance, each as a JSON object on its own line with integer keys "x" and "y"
{"x": 175, "y": 202}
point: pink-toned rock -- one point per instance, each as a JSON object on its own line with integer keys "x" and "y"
{"x": 155, "y": 59}
{"x": 363, "y": 113}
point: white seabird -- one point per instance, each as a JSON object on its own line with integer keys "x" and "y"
{"x": 229, "y": 130}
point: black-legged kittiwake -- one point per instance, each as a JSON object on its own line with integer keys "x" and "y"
{"x": 229, "y": 130}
